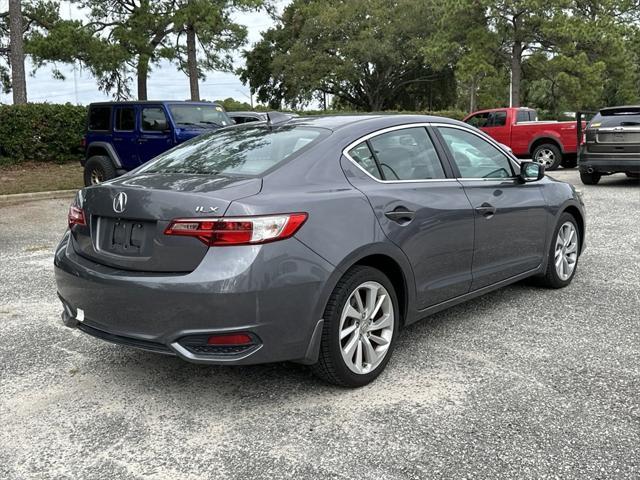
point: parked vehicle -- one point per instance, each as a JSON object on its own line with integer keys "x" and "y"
{"x": 312, "y": 240}
{"x": 550, "y": 143}
{"x": 612, "y": 144}
{"x": 247, "y": 117}
{"x": 122, "y": 136}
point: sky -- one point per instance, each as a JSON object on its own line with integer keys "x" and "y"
{"x": 165, "y": 81}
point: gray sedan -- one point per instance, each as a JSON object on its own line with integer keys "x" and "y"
{"x": 312, "y": 240}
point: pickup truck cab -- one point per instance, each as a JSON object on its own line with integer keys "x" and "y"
{"x": 550, "y": 143}
{"x": 122, "y": 136}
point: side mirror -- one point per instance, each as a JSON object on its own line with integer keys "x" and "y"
{"x": 531, "y": 171}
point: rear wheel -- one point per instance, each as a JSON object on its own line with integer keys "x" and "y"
{"x": 590, "y": 178}
{"x": 548, "y": 155}
{"x": 360, "y": 327}
{"x": 98, "y": 169}
{"x": 563, "y": 253}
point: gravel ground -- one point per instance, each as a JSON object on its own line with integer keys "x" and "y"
{"x": 521, "y": 383}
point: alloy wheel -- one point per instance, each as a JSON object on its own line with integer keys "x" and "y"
{"x": 97, "y": 177}
{"x": 366, "y": 327}
{"x": 545, "y": 157}
{"x": 566, "y": 251}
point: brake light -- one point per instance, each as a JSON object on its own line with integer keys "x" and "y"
{"x": 239, "y": 230}
{"x": 76, "y": 216}
{"x": 83, "y": 142}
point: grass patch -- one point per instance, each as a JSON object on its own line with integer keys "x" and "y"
{"x": 30, "y": 177}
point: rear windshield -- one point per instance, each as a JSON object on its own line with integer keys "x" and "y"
{"x": 199, "y": 115}
{"x": 242, "y": 150}
{"x": 616, "y": 118}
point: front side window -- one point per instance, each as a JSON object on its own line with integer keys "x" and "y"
{"x": 242, "y": 151}
{"x": 99, "y": 118}
{"x": 474, "y": 156}
{"x": 126, "y": 119}
{"x": 154, "y": 119}
{"x": 407, "y": 154}
{"x": 497, "y": 119}
{"x": 199, "y": 115}
{"x": 479, "y": 120}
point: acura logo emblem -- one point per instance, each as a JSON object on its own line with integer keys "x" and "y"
{"x": 120, "y": 202}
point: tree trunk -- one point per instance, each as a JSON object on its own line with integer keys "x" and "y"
{"x": 516, "y": 73}
{"x": 192, "y": 63}
{"x": 16, "y": 47}
{"x": 473, "y": 95}
{"x": 143, "y": 73}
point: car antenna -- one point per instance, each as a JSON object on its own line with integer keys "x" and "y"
{"x": 275, "y": 118}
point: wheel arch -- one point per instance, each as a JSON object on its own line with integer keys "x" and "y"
{"x": 105, "y": 149}
{"x": 577, "y": 214}
{"x": 391, "y": 261}
{"x": 545, "y": 139}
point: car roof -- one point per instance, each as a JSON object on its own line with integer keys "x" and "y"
{"x": 373, "y": 121}
{"x": 154, "y": 102}
{"x": 252, "y": 114}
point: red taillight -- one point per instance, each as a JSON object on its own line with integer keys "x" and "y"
{"x": 76, "y": 216}
{"x": 230, "y": 339}
{"x": 238, "y": 231}
{"x": 83, "y": 142}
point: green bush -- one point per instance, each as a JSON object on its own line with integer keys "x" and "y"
{"x": 41, "y": 132}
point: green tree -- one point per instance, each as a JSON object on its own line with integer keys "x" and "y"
{"x": 361, "y": 52}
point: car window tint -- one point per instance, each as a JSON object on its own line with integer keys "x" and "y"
{"x": 497, "y": 119}
{"x": 244, "y": 150}
{"x": 154, "y": 119}
{"x": 407, "y": 154}
{"x": 478, "y": 120}
{"x": 362, "y": 155}
{"x": 125, "y": 118}
{"x": 99, "y": 118}
{"x": 474, "y": 156}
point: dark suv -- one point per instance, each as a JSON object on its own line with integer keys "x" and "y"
{"x": 612, "y": 144}
{"x": 123, "y": 135}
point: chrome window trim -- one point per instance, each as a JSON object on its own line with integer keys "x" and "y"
{"x": 404, "y": 126}
{"x": 490, "y": 141}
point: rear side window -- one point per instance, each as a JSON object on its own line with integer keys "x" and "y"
{"x": 497, "y": 119}
{"x": 243, "y": 150}
{"x": 125, "y": 119}
{"x": 478, "y": 120}
{"x": 362, "y": 155}
{"x": 100, "y": 118}
{"x": 154, "y": 119}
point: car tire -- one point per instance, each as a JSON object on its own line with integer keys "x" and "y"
{"x": 569, "y": 161}
{"x": 98, "y": 169}
{"x": 590, "y": 178}
{"x": 565, "y": 247}
{"x": 548, "y": 155}
{"x": 361, "y": 341}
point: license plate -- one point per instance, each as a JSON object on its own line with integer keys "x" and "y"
{"x": 125, "y": 237}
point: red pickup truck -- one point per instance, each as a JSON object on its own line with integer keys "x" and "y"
{"x": 550, "y": 143}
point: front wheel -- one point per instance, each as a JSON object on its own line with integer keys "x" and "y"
{"x": 360, "y": 327}
{"x": 548, "y": 155}
{"x": 563, "y": 254}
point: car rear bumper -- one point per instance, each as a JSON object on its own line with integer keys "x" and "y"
{"x": 271, "y": 292}
{"x": 607, "y": 162}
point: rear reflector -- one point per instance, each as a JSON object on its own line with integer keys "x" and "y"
{"x": 230, "y": 339}
{"x": 240, "y": 230}
{"x": 76, "y": 216}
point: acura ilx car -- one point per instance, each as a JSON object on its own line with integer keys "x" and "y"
{"x": 314, "y": 240}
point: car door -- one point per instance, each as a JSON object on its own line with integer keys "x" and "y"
{"x": 124, "y": 135}
{"x": 420, "y": 207}
{"x": 510, "y": 216}
{"x": 155, "y": 132}
{"x": 497, "y": 127}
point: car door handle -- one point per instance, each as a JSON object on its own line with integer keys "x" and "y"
{"x": 486, "y": 210}
{"x": 400, "y": 215}
{"x": 142, "y": 140}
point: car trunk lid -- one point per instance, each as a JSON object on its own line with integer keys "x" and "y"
{"x": 126, "y": 218}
